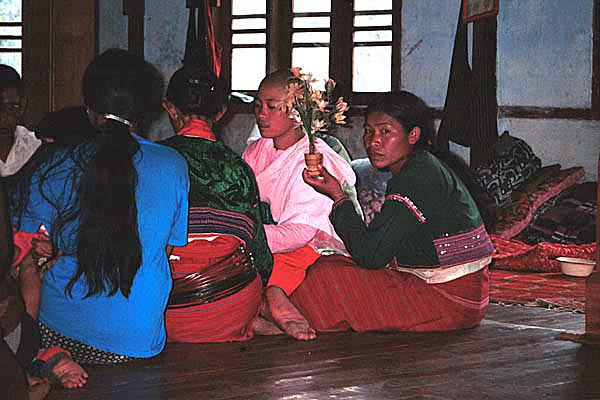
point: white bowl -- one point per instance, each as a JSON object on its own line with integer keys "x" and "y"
{"x": 576, "y": 266}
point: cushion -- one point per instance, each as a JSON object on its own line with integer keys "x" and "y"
{"x": 512, "y": 218}
{"x": 371, "y": 185}
{"x": 513, "y": 163}
{"x": 569, "y": 218}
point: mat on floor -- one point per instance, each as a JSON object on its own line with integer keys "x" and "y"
{"x": 551, "y": 290}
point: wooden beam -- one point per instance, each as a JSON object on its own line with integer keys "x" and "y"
{"x": 340, "y": 45}
{"x": 397, "y": 45}
{"x": 596, "y": 62}
{"x": 279, "y": 35}
{"x": 135, "y": 11}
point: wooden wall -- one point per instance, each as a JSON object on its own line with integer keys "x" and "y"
{"x": 59, "y": 41}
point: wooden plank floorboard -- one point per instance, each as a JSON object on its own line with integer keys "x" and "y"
{"x": 512, "y": 355}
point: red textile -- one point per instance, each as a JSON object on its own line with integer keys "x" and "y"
{"x": 198, "y": 128}
{"x": 514, "y": 255}
{"x": 337, "y": 296}
{"x": 289, "y": 269}
{"x": 225, "y": 320}
{"x": 539, "y": 289}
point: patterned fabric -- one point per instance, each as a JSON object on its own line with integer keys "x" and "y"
{"x": 222, "y": 316}
{"x": 208, "y": 220}
{"x": 504, "y": 173}
{"x": 81, "y": 352}
{"x": 221, "y": 180}
{"x": 337, "y": 296}
{"x": 464, "y": 247}
{"x": 371, "y": 185}
{"x": 514, "y": 255}
{"x": 408, "y": 203}
{"x": 569, "y": 218}
{"x": 514, "y": 217}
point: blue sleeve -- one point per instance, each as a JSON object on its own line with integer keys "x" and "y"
{"x": 179, "y": 227}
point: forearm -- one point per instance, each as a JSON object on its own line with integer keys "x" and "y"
{"x": 288, "y": 237}
{"x": 371, "y": 247}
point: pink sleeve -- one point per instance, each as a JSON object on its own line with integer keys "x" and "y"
{"x": 288, "y": 237}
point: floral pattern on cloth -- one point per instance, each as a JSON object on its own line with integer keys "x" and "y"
{"x": 513, "y": 163}
{"x": 371, "y": 185}
{"x": 514, "y": 217}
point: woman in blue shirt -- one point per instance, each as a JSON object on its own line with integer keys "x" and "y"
{"x": 113, "y": 206}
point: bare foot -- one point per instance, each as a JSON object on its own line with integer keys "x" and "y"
{"x": 69, "y": 373}
{"x": 262, "y": 326}
{"x": 280, "y": 310}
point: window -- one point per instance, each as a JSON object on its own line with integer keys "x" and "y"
{"x": 248, "y": 43}
{"x": 11, "y": 36}
{"x": 266, "y": 35}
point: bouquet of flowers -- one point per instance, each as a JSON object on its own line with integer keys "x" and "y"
{"x": 315, "y": 110}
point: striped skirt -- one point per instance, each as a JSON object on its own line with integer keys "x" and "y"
{"x": 337, "y": 296}
{"x": 223, "y": 316}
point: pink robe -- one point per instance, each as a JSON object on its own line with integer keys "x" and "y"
{"x": 301, "y": 213}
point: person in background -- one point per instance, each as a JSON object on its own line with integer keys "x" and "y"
{"x": 299, "y": 230}
{"x": 113, "y": 206}
{"x": 64, "y": 126}
{"x": 216, "y": 291}
{"x": 421, "y": 264}
{"x": 17, "y": 143}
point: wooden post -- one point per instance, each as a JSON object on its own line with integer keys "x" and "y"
{"x": 592, "y": 295}
{"x": 135, "y": 10}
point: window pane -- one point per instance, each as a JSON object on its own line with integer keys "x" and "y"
{"x": 245, "y": 7}
{"x": 311, "y": 6}
{"x": 10, "y": 10}
{"x": 310, "y": 37}
{"x": 311, "y": 22}
{"x": 372, "y": 70}
{"x": 249, "y": 38}
{"x": 373, "y": 36}
{"x": 366, "y": 5}
{"x": 10, "y": 30}
{"x": 248, "y": 68}
{"x": 373, "y": 20}
{"x": 10, "y": 43}
{"x": 248, "y": 23}
{"x": 314, "y": 60}
{"x": 12, "y": 59}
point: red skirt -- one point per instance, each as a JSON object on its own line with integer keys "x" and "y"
{"x": 337, "y": 295}
{"x": 224, "y": 320}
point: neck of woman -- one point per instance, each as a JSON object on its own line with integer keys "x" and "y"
{"x": 288, "y": 139}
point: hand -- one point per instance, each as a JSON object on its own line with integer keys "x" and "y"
{"x": 326, "y": 183}
{"x": 41, "y": 251}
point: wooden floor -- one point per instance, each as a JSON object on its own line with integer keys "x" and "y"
{"x": 512, "y": 355}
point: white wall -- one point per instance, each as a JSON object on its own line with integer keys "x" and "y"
{"x": 544, "y": 53}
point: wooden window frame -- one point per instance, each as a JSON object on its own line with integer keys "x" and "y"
{"x": 279, "y": 38}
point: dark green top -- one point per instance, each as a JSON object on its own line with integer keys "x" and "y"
{"x": 441, "y": 206}
{"x": 220, "y": 179}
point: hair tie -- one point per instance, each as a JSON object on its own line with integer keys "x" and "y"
{"x": 119, "y": 119}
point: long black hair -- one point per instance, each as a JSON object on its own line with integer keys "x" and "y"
{"x": 118, "y": 86}
{"x": 411, "y": 111}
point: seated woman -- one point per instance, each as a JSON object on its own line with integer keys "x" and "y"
{"x": 216, "y": 290}
{"x": 112, "y": 205}
{"x": 421, "y": 264}
{"x": 19, "y": 297}
{"x": 302, "y": 229}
